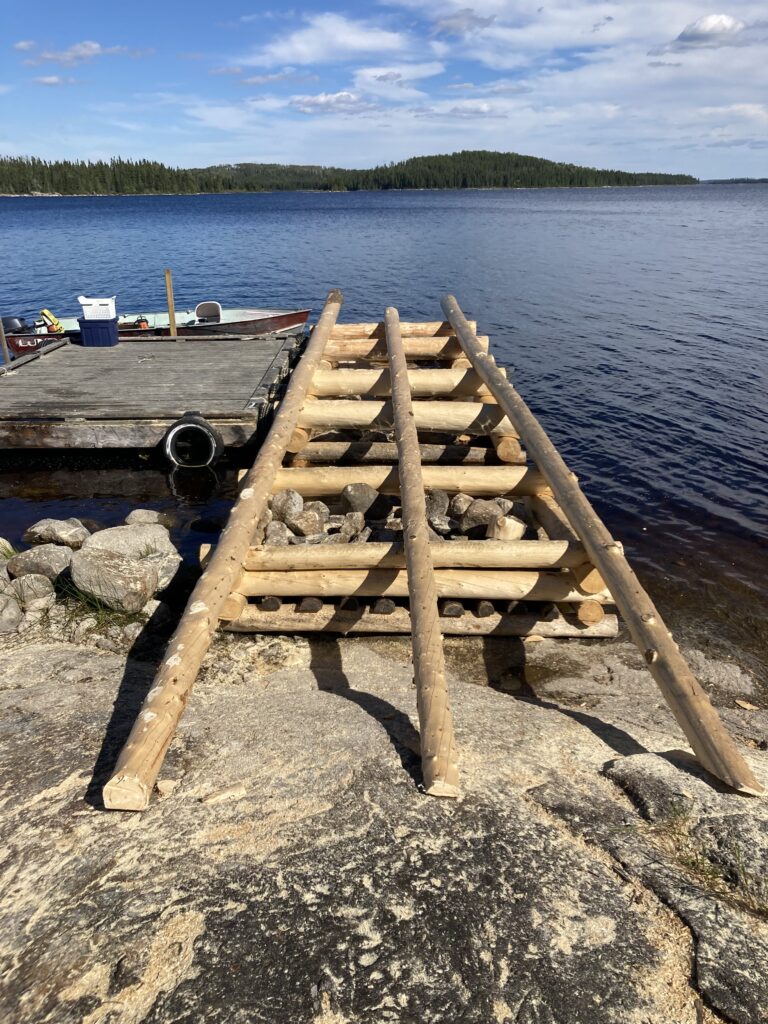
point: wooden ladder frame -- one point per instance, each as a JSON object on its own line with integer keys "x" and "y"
{"x": 575, "y": 567}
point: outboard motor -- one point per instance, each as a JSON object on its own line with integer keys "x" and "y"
{"x": 192, "y": 442}
{"x": 16, "y": 325}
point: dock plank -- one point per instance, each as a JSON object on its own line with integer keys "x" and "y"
{"x": 85, "y": 397}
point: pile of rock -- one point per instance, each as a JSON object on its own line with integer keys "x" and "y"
{"x": 122, "y": 567}
{"x": 364, "y": 514}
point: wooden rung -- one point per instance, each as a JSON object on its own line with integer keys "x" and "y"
{"x": 336, "y": 620}
{"x": 376, "y": 382}
{"x": 233, "y": 607}
{"x": 356, "y": 452}
{"x": 460, "y": 583}
{"x": 427, "y": 328}
{"x": 417, "y": 350}
{"x": 446, "y": 417}
{"x": 317, "y": 481}
{"x": 455, "y": 554}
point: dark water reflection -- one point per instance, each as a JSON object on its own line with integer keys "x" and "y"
{"x": 634, "y": 320}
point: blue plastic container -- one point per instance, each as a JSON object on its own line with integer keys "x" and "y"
{"x": 98, "y": 333}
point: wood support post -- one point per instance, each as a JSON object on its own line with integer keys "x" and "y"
{"x": 439, "y": 759}
{"x": 690, "y": 705}
{"x": 142, "y": 756}
{"x": 171, "y": 304}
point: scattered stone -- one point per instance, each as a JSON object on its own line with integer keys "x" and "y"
{"x": 480, "y": 513}
{"x": 147, "y": 542}
{"x": 11, "y": 613}
{"x": 312, "y": 538}
{"x": 353, "y": 524}
{"x": 158, "y": 613}
{"x": 506, "y": 505}
{"x": 277, "y": 534}
{"x": 286, "y": 503}
{"x": 363, "y": 536}
{"x": 4, "y": 577}
{"x": 459, "y": 504}
{"x": 45, "y": 560}
{"x": 83, "y": 629}
{"x": 34, "y": 592}
{"x": 437, "y": 503}
{"x": 120, "y": 582}
{"x": 335, "y": 522}
{"x": 147, "y": 516}
{"x": 337, "y": 538}
{"x": 70, "y": 532}
{"x": 165, "y": 787}
{"x": 360, "y": 497}
{"x": 264, "y": 520}
{"x": 450, "y": 609}
{"x": 320, "y": 508}
{"x": 383, "y": 606}
{"x": 133, "y": 631}
{"x": 7, "y": 549}
{"x": 309, "y": 605}
{"x": 441, "y": 525}
{"x": 92, "y": 525}
{"x": 305, "y": 523}
{"x": 107, "y": 643}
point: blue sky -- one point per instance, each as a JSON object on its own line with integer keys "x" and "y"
{"x": 637, "y": 85}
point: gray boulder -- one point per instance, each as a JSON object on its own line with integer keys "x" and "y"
{"x": 437, "y": 503}
{"x": 70, "y": 532}
{"x": 305, "y": 523}
{"x": 44, "y": 560}
{"x": 320, "y": 508}
{"x": 10, "y": 613}
{"x": 34, "y": 592}
{"x": 480, "y": 513}
{"x": 286, "y": 503}
{"x": 277, "y": 535}
{"x": 148, "y": 542}
{"x": 459, "y": 504}
{"x": 360, "y": 497}
{"x": 146, "y": 516}
{"x": 353, "y": 524}
{"x": 118, "y": 581}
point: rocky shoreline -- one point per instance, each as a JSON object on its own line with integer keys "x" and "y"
{"x": 290, "y": 869}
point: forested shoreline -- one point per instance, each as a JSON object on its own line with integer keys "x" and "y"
{"x": 467, "y": 169}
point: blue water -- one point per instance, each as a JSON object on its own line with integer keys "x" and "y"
{"x": 635, "y": 321}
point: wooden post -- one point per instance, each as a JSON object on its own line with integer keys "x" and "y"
{"x": 171, "y": 303}
{"x": 142, "y": 756}
{"x": 690, "y": 705}
{"x": 439, "y": 763}
{"x": 4, "y": 345}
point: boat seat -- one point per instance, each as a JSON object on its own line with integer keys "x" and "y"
{"x": 208, "y": 311}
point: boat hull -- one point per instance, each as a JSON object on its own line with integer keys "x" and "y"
{"x": 274, "y": 322}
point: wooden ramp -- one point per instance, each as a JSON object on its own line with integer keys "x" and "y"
{"x": 410, "y": 408}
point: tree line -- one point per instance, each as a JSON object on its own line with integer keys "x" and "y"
{"x": 467, "y": 169}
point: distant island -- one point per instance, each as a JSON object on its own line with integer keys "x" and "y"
{"x": 467, "y": 169}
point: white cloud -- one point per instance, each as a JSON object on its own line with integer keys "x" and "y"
{"x": 53, "y": 80}
{"x": 79, "y": 53}
{"x": 394, "y": 81}
{"x": 24, "y": 45}
{"x": 343, "y": 102}
{"x": 4, "y": 89}
{"x": 463, "y": 22}
{"x": 328, "y": 39}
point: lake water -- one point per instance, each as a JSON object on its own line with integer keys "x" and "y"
{"x": 634, "y": 321}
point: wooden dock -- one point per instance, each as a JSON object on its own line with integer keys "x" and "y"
{"x": 443, "y": 416}
{"x": 127, "y": 396}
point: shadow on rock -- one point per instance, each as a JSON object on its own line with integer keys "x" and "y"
{"x": 327, "y": 668}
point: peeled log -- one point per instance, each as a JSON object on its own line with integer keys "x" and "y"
{"x": 445, "y": 417}
{"x": 456, "y": 554}
{"x": 376, "y": 383}
{"x": 460, "y": 583}
{"x": 335, "y": 620}
{"x": 316, "y": 481}
{"x": 439, "y": 762}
